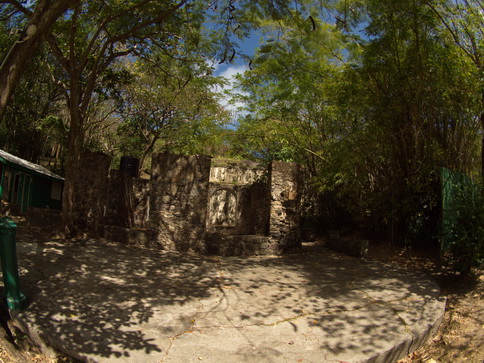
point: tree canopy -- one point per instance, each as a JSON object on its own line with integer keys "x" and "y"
{"x": 371, "y": 96}
{"x": 372, "y": 103}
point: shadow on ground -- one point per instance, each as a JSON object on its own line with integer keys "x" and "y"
{"x": 343, "y": 304}
{"x": 102, "y": 294}
{"x": 111, "y": 301}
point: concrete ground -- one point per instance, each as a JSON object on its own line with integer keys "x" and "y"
{"x": 103, "y": 302}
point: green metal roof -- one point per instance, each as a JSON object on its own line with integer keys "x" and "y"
{"x": 14, "y": 161}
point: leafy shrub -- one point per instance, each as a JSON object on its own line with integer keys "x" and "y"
{"x": 465, "y": 232}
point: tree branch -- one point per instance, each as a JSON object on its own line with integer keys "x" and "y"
{"x": 19, "y": 7}
{"x": 64, "y": 62}
{"x": 163, "y": 15}
{"x": 452, "y": 32}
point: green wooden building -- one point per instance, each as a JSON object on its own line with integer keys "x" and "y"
{"x": 26, "y": 184}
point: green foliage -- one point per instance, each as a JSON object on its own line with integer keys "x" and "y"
{"x": 169, "y": 109}
{"x": 372, "y": 118}
{"x": 371, "y": 96}
{"x": 289, "y": 94}
{"x": 30, "y": 128}
{"x": 6, "y": 41}
{"x": 422, "y": 101}
{"x": 466, "y": 231}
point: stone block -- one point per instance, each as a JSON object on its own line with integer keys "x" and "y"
{"x": 356, "y": 247}
{"x": 40, "y": 217}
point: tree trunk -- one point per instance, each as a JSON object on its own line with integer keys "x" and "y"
{"x": 41, "y": 20}
{"x": 482, "y": 147}
{"x": 148, "y": 149}
{"x": 72, "y": 166}
{"x": 73, "y": 155}
{"x": 481, "y": 118}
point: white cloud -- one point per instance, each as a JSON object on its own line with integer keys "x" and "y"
{"x": 229, "y": 74}
{"x": 232, "y": 71}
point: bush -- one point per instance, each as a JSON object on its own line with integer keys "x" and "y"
{"x": 465, "y": 233}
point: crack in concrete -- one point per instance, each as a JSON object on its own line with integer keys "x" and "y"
{"x": 223, "y": 285}
{"x": 396, "y": 313}
{"x": 389, "y": 305}
{"x": 190, "y": 330}
{"x": 221, "y": 279}
{"x": 372, "y": 301}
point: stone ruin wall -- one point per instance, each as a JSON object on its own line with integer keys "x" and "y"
{"x": 239, "y": 203}
{"x": 91, "y": 190}
{"x": 228, "y": 208}
{"x": 127, "y": 201}
{"x": 285, "y": 210}
{"x": 238, "y": 198}
{"x": 179, "y": 200}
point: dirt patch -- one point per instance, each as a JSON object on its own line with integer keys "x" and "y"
{"x": 460, "y": 337}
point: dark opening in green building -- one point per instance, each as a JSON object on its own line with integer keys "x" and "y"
{"x": 25, "y": 184}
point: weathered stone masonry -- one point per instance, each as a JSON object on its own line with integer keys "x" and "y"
{"x": 91, "y": 192}
{"x": 179, "y": 200}
{"x": 239, "y": 205}
{"x": 193, "y": 203}
{"x": 285, "y": 208}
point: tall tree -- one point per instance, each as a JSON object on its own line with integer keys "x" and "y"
{"x": 168, "y": 105}
{"x": 91, "y": 37}
{"x": 423, "y": 100}
{"x": 36, "y": 20}
{"x": 86, "y": 42}
{"x": 373, "y": 119}
{"x": 464, "y": 22}
{"x": 291, "y": 83}
{"x": 28, "y": 119}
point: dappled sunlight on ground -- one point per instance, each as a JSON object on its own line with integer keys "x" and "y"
{"x": 108, "y": 302}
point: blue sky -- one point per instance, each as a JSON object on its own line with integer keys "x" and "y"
{"x": 238, "y": 66}
{"x": 247, "y": 47}
{"x": 229, "y": 72}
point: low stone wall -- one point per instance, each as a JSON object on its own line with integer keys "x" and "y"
{"x": 128, "y": 200}
{"x": 351, "y": 246}
{"x": 245, "y": 207}
{"x": 131, "y": 236}
{"x": 239, "y": 245}
{"x": 40, "y": 217}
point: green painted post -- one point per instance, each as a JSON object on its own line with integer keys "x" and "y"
{"x": 8, "y": 254}
{"x": 2, "y": 175}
